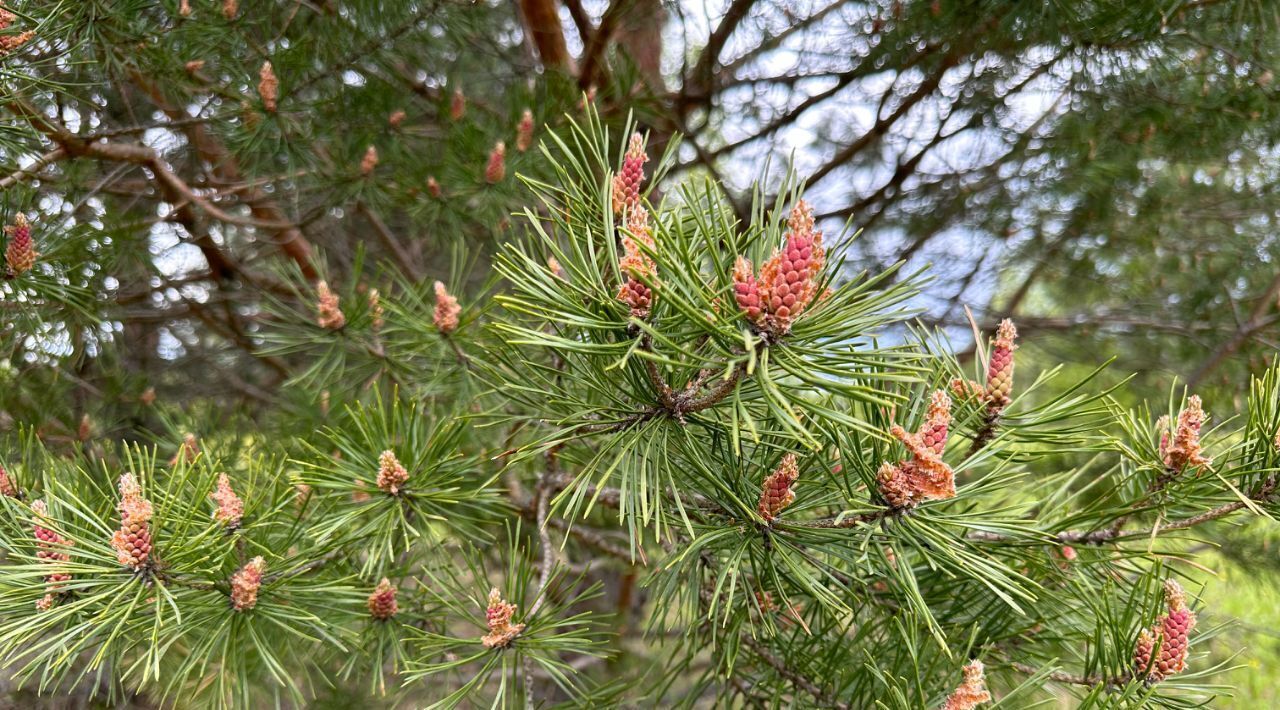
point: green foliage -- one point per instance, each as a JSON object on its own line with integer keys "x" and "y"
{"x": 603, "y": 468}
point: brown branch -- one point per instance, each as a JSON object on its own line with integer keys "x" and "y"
{"x": 702, "y": 77}
{"x": 389, "y": 240}
{"x": 1257, "y": 319}
{"x": 36, "y": 166}
{"x": 785, "y": 671}
{"x": 266, "y": 210}
{"x": 542, "y": 22}
{"x": 1115, "y": 531}
{"x": 593, "y": 55}
{"x": 1069, "y": 679}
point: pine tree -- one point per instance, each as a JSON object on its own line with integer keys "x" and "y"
{"x": 811, "y": 518}
{"x": 407, "y": 354}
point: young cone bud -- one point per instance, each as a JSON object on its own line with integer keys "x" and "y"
{"x": 188, "y": 450}
{"x": 457, "y": 105}
{"x": 396, "y": 118}
{"x": 20, "y": 254}
{"x": 1171, "y": 633}
{"x": 1000, "y": 366}
{"x": 329, "y": 314}
{"x": 496, "y": 169}
{"x": 8, "y": 43}
{"x": 447, "y": 310}
{"x": 433, "y": 187}
{"x": 924, "y": 476}
{"x": 934, "y": 432}
{"x": 636, "y": 263}
{"x": 391, "y": 473}
{"x": 1185, "y": 449}
{"x": 230, "y": 508}
{"x": 788, "y": 280}
{"x": 382, "y": 602}
{"x": 51, "y": 548}
{"x": 369, "y": 161}
{"x": 375, "y": 309}
{"x": 7, "y": 486}
{"x": 245, "y": 584}
{"x": 524, "y": 131}
{"x": 132, "y": 542}
{"x": 895, "y": 486}
{"x": 268, "y": 87}
{"x": 230, "y": 8}
{"x": 626, "y": 184}
{"x": 498, "y": 616}
{"x": 972, "y": 691}
{"x": 746, "y": 291}
{"x": 775, "y": 492}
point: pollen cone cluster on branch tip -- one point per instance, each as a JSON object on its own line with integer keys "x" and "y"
{"x": 8, "y": 43}
{"x": 626, "y": 184}
{"x": 20, "y": 253}
{"x": 775, "y": 492}
{"x": 230, "y": 508}
{"x": 447, "y": 310}
{"x": 635, "y": 263}
{"x": 51, "y": 548}
{"x": 391, "y": 473}
{"x": 746, "y": 291}
{"x": 396, "y": 118}
{"x": 268, "y": 86}
{"x": 998, "y": 391}
{"x": 1184, "y": 449}
{"x": 132, "y": 542}
{"x": 245, "y": 584}
{"x": 329, "y": 314}
{"x": 498, "y": 616}
{"x": 376, "y": 312}
{"x": 1170, "y": 633}
{"x": 524, "y": 131}
{"x": 230, "y": 8}
{"x": 788, "y": 281}
{"x": 382, "y": 602}
{"x": 457, "y": 105}
{"x": 369, "y": 162}
{"x": 1000, "y": 366}
{"x": 7, "y": 486}
{"x": 924, "y": 476}
{"x": 972, "y": 691}
{"x": 496, "y": 169}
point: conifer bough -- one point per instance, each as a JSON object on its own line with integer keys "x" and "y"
{"x": 644, "y": 471}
